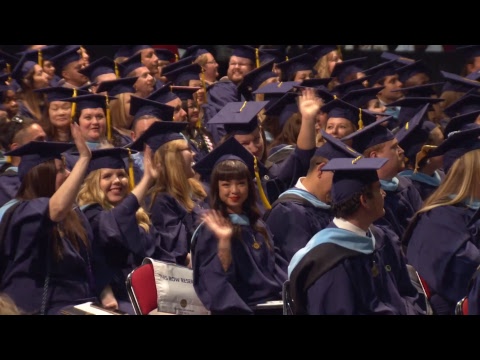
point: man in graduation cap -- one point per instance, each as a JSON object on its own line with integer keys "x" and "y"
{"x": 471, "y": 58}
{"x": 402, "y": 199}
{"x": 68, "y": 65}
{"x": 353, "y": 267}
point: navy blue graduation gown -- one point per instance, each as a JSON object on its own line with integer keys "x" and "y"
{"x": 400, "y": 206}
{"x": 445, "y": 252}
{"x": 293, "y": 225}
{"x": 119, "y": 139}
{"x": 27, "y": 259}
{"x": 9, "y": 185}
{"x": 474, "y": 295}
{"x": 123, "y": 244}
{"x": 253, "y": 277}
{"x": 366, "y": 284}
{"x": 424, "y": 188}
{"x": 175, "y": 224}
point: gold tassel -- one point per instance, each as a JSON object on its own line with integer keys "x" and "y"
{"x": 263, "y": 197}
{"x": 117, "y": 72}
{"x": 176, "y": 57}
{"x": 109, "y": 120}
{"x": 421, "y": 155}
{"x": 339, "y": 50}
{"x": 40, "y": 58}
{"x": 257, "y": 58}
{"x": 8, "y": 159}
{"x": 131, "y": 176}
{"x": 74, "y": 104}
{"x": 9, "y": 71}
{"x": 360, "y": 121}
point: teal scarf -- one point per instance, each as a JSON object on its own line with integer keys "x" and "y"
{"x": 239, "y": 219}
{"x": 433, "y": 180}
{"x": 307, "y": 196}
{"x": 389, "y": 185}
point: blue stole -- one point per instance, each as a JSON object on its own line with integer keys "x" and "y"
{"x": 389, "y": 185}
{"x": 341, "y": 237}
{"x": 433, "y": 180}
{"x": 307, "y": 196}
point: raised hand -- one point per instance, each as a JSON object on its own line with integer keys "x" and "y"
{"x": 309, "y": 103}
{"x": 218, "y": 224}
{"x": 79, "y": 140}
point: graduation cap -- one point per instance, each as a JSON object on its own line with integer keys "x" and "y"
{"x": 184, "y": 92}
{"x": 413, "y": 135}
{"x": 132, "y": 63}
{"x": 351, "y": 175}
{"x": 194, "y": 51}
{"x": 163, "y": 94}
{"x": 39, "y": 55}
{"x": 343, "y": 69}
{"x": 60, "y": 61}
{"x": 165, "y": 55}
{"x": 35, "y": 153}
{"x": 8, "y": 61}
{"x": 424, "y": 90}
{"x": 102, "y": 66}
{"x": 130, "y": 50}
{"x": 378, "y": 72}
{"x": 239, "y": 117}
{"x": 335, "y": 148}
{"x": 159, "y": 133}
{"x": 119, "y": 86}
{"x": 458, "y": 122}
{"x": 401, "y": 61}
{"x": 140, "y": 106}
{"x": 316, "y": 82}
{"x": 458, "y": 83}
{"x": 247, "y": 52}
{"x": 457, "y": 144}
{"x": 298, "y": 63}
{"x": 467, "y": 103}
{"x": 409, "y": 106}
{"x": 371, "y": 135}
{"x": 276, "y": 55}
{"x": 178, "y": 64}
{"x": 344, "y": 88}
{"x": 277, "y": 88}
{"x": 319, "y": 51}
{"x": 321, "y": 91}
{"x": 409, "y": 70}
{"x": 361, "y": 97}
{"x": 59, "y": 93}
{"x": 22, "y": 68}
{"x": 338, "y": 108}
{"x": 253, "y": 79}
{"x": 181, "y": 75}
{"x": 469, "y": 51}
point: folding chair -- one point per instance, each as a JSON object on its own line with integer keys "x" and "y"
{"x": 462, "y": 307}
{"x": 287, "y": 299}
{"x": 142, "y": 290}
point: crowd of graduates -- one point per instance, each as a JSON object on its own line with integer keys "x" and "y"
{"x": 349, "y": 189}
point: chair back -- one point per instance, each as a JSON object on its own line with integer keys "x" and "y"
{"x": 287, "y": 299}
{"x": 142, "y": 290}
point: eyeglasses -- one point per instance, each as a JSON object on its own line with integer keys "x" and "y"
{"x": 211, "y": 62}
{"x": 238, "y": 64}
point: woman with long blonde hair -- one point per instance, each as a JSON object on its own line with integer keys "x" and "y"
{"x": 442, "y": 240}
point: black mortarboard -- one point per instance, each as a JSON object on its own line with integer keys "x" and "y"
{"x": 140, "y": 106}
{"x": 321, "y": 91}
{"x": 60, "y": 61}
{"x": 361, "y": 97}
{"x": 424, "y": 90}
{"x": 165, "y": 54}
{"x": 90, "y": 101}
{"x": 379, "y": 71}
{"x": 338, "y": 108}
{"x": 277, "y": 88}
{"x": 343, "y": 69}
{"x": 401, "y": 61}
{"x": 8, "y": 60}
{"x": 277, "y": 55}
{"x": 335, "y": 148}
{"x": 409, "y": 106}
{"x": 248, "y": 52}
{"x": 469, "y": 51}
{"x": 346, "y": 87}
{"x": 456, "y": 144}
{"x": 230, "y": 149}
{"x": 466, "y": 104}
{"x": 178, "y": 64}
{"x": 371, "y": 135}
{"x": 454, "y": 82}
{"x": 458, "y": 122}
{"x": 276, "y": 106}
{"x": 318, "y": 51}
{"x": 59, "y": 93}
{"x": 21, "y": 69}
{"x": 184, "y": 92}
{"x": 35, "y": 153}
{"x": 159, "y": 133}
{"x": 351, "y": 175}
{"x": 119, "y": 86}
{"x": 298, "y": 63}
{"x": 132, "y": 63}
{"x": 101, "y": 66}
{"x": 194, "y": 51}
{"x": 182, "y": 74}
{"x": 39, "y": 55}
{"x": 412, "y": 136}
{"x": 163, "y": 94}
{"x": 253, "y": 79}
{"x": 316, "y": 82}
{"x": 109, "y": 158}
{"x": 239, "y": 117}
{"x": 407, "y": 71}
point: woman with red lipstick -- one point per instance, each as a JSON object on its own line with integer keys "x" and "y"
{"x": 122, "y": 230}
{"x": 235, "y": 265}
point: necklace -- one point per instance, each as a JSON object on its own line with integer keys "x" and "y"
{"x": 256, "y": 245}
